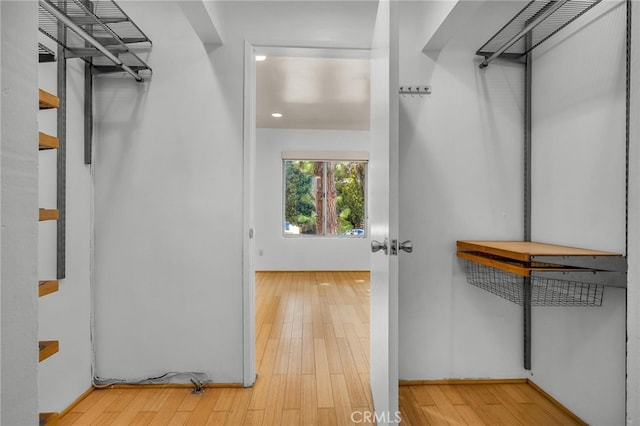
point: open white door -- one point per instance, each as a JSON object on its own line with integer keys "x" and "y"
{"x": 248, "y": 218}
{"x": 383, "y": 213}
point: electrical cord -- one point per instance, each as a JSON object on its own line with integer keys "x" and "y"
{"x": 198, "y": 379}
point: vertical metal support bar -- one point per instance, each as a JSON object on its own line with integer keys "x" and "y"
{"x": 526, "y": 282}
{"x": 627, "y": 128}
{"x": 528, "y": 80}
{"x": 527, "y": 142}
{"x": 628, "y": 312}
{"x": 88, "y": 113}
{"x": 88, "y": 96}
{"x": 61, "y": 184}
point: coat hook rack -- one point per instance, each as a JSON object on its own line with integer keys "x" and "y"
{"x": 415, "y": 90}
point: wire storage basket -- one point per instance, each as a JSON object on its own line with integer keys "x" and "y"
{"x": 544, "y": 291}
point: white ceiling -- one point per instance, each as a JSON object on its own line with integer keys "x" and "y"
{"x": 313, "y": 93}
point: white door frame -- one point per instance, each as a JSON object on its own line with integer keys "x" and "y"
{"x": 248, "y": 209}
{"x": 249, "y": 149}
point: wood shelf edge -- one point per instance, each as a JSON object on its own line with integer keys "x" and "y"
{"x": 48, "y": 287}
{"x": 493, "y": 263}
{"x": 49, "y": 419}
{"x": 508, "y": 265}
{"x": 48, "y": 214}
{"x": 47, "y": 348}
{"x": 523, "y": 250}
{"x": 47, "y": 100}
{"x": 46, "y": 141}
{"x": 488, "y": 248}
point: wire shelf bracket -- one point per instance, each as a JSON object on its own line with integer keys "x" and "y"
{"x": 97, "y": 31}
{"x": 539, "y": 18}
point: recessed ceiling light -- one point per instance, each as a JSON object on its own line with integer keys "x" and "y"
{"x": 260, "y": 58}
{"x": 277, "y": 115}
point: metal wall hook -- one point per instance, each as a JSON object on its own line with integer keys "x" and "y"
{"x": 415, "y": 90}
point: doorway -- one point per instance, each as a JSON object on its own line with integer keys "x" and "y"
{"x": 313, "y": 292}
{"x": 312, "y": 141}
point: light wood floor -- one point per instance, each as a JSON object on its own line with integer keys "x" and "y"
{"x": 312, "y": 357}
{"x": 479, "y": 404}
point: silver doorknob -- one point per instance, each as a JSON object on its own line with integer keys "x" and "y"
{"x": 377, "y": 246}
{"x": 406, "y": 246}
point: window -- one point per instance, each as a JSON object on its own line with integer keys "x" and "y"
{"x": 325, "y": 198}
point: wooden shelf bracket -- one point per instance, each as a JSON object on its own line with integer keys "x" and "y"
{"x": 48, "y": 287}
{"x": 47, "y": 100}
{"x": 47, "y": 348}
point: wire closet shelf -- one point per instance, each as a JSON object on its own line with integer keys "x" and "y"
{"x": 539, "y": 18}
{"x": 538, "y": 274}
{"x": 544, "y": 291}
{"x": 106, "y": 23}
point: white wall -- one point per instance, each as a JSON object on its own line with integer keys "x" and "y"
{"x": 168, "y": 184}
{"x": 65, "y": 315}
{"x": 18, "y": 211}
{"x": 463, "y": 144}
{"x": 273, "y": 250}
{"x": 579, "y": 200}
{"x": 167, "y": 208}
{"x": 1, "y": 120}
{"x": 460, "y": 178}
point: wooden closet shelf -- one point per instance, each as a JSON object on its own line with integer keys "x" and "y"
{"x": 550, "y": 261}
{"x": 46, "y": 141}
{"x": 47, "y": 100}
{"x": 49, "y": 419}
{"x": 48, "y": 214}
{"x": 48, "y": 287}
{"x": 47, "y": 348}
{"x": 525, "y": 250}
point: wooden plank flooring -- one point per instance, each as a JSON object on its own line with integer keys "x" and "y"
{"x": 479, "y": 404}
{"x": 312, "y": 357}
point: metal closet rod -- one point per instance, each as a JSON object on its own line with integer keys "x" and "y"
{"x": 558, "y": 4}
{"x": 87, "y": 37}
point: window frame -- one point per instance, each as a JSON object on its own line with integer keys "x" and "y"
{"x": 325, "y": 158}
